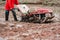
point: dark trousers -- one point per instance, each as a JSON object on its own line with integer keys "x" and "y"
{"x": 7, "y": 15}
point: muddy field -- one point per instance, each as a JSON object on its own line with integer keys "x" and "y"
{"x": 12, "y": 30}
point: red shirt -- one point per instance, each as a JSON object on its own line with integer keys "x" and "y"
{"x": 10, "y": 4}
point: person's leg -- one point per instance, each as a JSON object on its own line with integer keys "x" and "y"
{"x": 14, "y": 14}
{"x": 6, "y": 15}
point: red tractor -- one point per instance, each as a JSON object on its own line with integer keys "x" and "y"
{"x": 38, "y": 15}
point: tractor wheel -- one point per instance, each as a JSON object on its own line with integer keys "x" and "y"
{"x": 36, "y": 18}
{"x": 46, "y": 18}
{"x": 43, "y": 18}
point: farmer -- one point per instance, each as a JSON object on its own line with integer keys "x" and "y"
{"x": 9, "y": 6}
